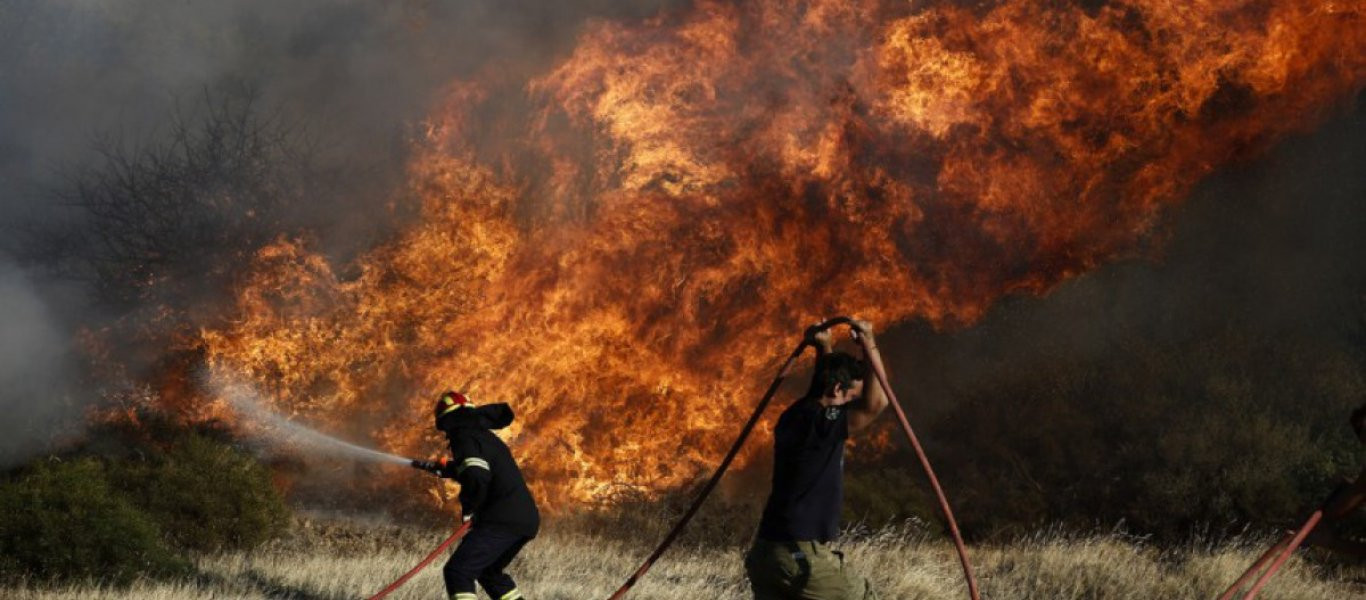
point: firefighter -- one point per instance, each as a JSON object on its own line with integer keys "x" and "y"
{"x": 791, "y": 555}
{"x": 493, "y": 495}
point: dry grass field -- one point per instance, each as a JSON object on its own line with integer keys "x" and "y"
{"x": 331, "y": 560}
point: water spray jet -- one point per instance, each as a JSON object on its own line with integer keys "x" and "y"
{"x": 280, "y": 431}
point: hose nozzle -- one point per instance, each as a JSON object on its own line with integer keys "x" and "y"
{"x": 431, "y": 466}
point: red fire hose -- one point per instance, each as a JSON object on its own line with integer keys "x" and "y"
{"x": 389, "y": 589}
{"x": 1282, "y": 550}
{"x": 881, "y": 373}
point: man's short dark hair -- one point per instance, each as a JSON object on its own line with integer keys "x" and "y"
{"x": 835, "y": 368}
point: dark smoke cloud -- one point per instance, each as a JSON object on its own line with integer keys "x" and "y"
{"x": 1274, "y": 248}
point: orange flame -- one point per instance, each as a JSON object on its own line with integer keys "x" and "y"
{"x": 623, "y": 247}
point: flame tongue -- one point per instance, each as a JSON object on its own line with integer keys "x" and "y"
{"x": 623, "y": 257}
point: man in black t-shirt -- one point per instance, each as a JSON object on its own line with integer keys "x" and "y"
{"x": 791, "y": 557}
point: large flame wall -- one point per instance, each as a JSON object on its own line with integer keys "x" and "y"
{"x": 623, "y": 246}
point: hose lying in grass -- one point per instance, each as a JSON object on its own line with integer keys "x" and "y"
{"x": 389, "y": 589}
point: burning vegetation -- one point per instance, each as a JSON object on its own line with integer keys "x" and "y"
{"x": 623, "y": 240}
{"x": 621, "y": 246}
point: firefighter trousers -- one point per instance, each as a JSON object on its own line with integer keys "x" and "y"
{"x": 483, "y": 556}
{"x": 802, "y": 571}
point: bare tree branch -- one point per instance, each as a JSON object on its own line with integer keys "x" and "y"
{"x": 170, "y": 218}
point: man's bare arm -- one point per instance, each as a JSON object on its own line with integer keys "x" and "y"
{"x": 863, "y": 412}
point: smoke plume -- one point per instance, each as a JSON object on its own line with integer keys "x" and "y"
{"x": 36, "y": 381}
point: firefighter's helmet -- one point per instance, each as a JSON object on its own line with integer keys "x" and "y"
{"x": 451, "y": 401}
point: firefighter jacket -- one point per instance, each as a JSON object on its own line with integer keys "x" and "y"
{"x": 492, "y": 490}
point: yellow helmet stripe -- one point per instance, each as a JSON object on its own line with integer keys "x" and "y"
{"x": 449, "y": 402}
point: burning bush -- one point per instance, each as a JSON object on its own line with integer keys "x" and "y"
{"x": 643, "y": 224}
{"x": 63, "y": 520}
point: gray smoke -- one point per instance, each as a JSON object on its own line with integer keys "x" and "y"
{"x": 35, "y": 373}
{"x": 357, "y": 73}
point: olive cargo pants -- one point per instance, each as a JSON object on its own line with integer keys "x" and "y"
{"x": 802, "y": 571}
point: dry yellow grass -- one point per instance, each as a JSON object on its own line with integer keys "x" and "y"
{"x": 344, "y": 562}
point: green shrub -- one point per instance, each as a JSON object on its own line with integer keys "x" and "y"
{"x": 131, "y": 502}
{"x": 206, "y": 495}
{"x": 61, "y": 520}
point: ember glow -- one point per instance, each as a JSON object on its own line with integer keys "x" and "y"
{"x": 624, "y": 246}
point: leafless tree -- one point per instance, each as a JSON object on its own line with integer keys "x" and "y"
{"x": 175, "y": 217}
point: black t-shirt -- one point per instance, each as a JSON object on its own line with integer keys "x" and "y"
{"x": 808, "y": 474}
